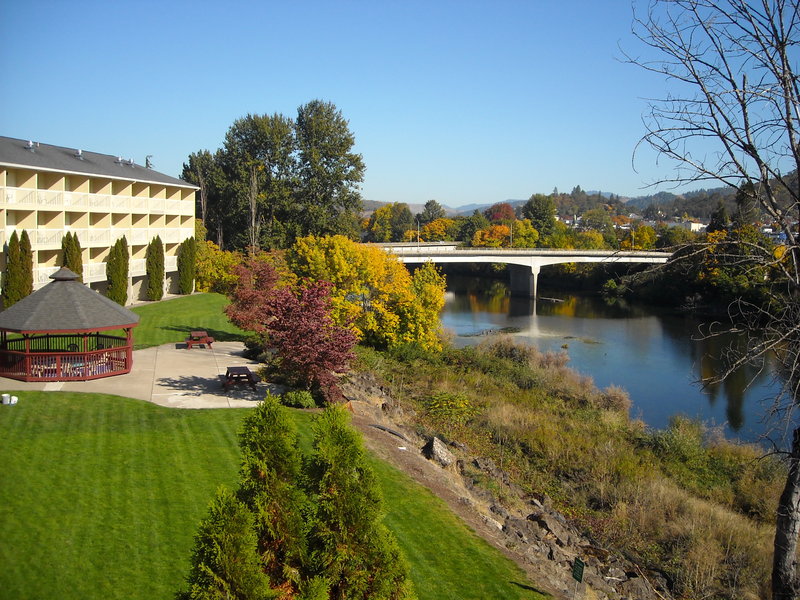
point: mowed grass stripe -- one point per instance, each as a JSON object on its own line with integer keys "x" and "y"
{"x": 171, "y": 320}
{"x": 107, "y": 493}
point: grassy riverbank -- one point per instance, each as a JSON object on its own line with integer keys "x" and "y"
{"x": 697, "y": 508}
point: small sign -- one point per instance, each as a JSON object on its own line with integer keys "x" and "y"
{"x": 577, "y": 570}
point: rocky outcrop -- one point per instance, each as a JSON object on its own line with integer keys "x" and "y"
{"x": 436, "y": 450}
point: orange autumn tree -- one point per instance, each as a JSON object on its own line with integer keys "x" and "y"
{"x": 373, "y": 291}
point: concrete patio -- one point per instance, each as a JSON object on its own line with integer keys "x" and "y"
{"x": 172, "y": 376}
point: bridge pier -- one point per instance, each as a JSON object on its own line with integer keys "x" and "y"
{"x": 523, "y": 280}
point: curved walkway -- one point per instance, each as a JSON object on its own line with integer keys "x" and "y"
{"x": 169, "y": 375}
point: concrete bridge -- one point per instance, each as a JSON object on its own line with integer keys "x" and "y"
{"x": 524, "y": 263}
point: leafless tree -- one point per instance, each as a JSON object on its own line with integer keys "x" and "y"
{"x": 733, "y": 117}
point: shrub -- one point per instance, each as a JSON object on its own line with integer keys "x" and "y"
{"x": 154, "y": 259}
{"x": 451, "y": 408}
{"x": 298, "y": 399}
{"x": 12, "y": 276}
{"x": 71, "y": 254}
{"x": 117, "y": 272}
{"x": 187, "y": 266}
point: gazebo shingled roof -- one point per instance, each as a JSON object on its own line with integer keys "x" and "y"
{"x": 66, "y": 305}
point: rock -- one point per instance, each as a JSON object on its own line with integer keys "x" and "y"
{"x": 459, "y": 446}
{"x": 437, "y": 451}
{"x": 551, "y": 524}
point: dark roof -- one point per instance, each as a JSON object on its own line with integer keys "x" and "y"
{"x": 33, "y": 155}
{"x": 65, "y": 304}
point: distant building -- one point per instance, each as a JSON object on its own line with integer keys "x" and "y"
{"x": 49, "y": 190}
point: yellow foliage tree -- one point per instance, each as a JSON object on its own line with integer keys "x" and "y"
{"x": 494, "y": 236}
{"x": 373, "y": 291}
{"x": 215, "y": 268}
{"x": 439, "y": 230}
{"x": 525, "y": 234}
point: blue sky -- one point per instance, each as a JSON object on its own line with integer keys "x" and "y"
{"x": 464, "y": 102}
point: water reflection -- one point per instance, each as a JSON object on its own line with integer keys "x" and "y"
{"x": 660, "y": 359}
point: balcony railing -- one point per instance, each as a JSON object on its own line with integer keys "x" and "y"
{"x": 55, "y": 200}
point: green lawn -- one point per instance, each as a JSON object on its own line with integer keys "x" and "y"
{"x": 171, "y": 320}
{"x": 100, "y": 497}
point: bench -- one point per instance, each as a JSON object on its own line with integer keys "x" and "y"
{"x": 195, "y": 341}
{"x": 236, "y": 375}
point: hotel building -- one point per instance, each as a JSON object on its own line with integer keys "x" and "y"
{"x": 50, "y": 190}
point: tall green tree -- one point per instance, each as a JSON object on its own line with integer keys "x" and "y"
{"x": 471, "y": 225}
{"x": 720, "y": 221}
{"x": 352, "y": 548}
{"x": 330, "y": 173}
{"x": 187, "y": 266}
{"x": 432, "y": 211}
{"x": 541, "y": 210}
{"x": 12, "y": 276}
{"x": 270, "y": 473}
{"x": 117, "y": 268}
{"x": 389, "y": 223}
{"x": 26, "y": 262}
{"x": 71, "y": 253}
{"x": 259, "y": 162}
{"x": 154, "y": 264}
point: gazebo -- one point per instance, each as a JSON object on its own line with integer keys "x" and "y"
{"x": 63, "y": 332}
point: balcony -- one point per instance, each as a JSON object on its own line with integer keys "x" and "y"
{"x": 56, "y": 200}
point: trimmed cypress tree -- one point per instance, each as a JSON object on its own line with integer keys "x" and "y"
{"x": 26, "y": 264}
{"x": 12, "y": 284}
{"x": 71, "y": 254}
{"x": 155, "y": 269}
{"x": 187, "y": 265}
{"x": 117, "y": 272}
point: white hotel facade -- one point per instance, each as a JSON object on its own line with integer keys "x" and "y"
{"x": 50, "y": 190}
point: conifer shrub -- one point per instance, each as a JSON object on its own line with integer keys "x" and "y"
{"x": 12, "y": 276}
{"x": 117, "y": 268}
{"x": 26, "y": 262}
{"x": 71, "y": 254}
{"x": 187, "y": 266}
{"x": 154, "y": 261}
{"x": 314, "y": 526}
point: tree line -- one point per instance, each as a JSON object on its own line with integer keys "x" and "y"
{"x": 276, "y": 179}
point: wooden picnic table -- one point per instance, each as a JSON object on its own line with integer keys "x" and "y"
{"x": 234, "y": 375}
{"x": 198, "y": 337}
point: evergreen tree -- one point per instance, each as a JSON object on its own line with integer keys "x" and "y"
{"x": 541, "y": 210}
{"x": 271, "y": 470}
{"x": 719, "y": 219}
{"x": 352, "y": 548}
{"x": 12, "y": 277}
{"x": 117, "y": 272}
{"x": 154, "y": 259}
{"x": 187, "y": 265}
{"x": 71, "y": 254}
{"x": 26, "y": 264}
{"x": 225, "y": 562}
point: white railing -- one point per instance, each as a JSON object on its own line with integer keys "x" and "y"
{"x": 47, "y": 237}
{"x": 94, "y": 272}
{"x": 170, "y": 263}
{"x": 41, "y": 275}
{"x": 58, "y": 200}
{"x": 138, "y": 266}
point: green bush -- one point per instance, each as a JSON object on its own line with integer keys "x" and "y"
{"x": 117, "y": 272}
{"x": 187, "y": 266}
{"x": 298, "y": 399}
{"x": 154, "y": 262}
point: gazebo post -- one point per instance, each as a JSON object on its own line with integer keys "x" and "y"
{"x": 129, "y": 349}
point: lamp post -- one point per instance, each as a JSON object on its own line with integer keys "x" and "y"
{"x": 417, "y": 232}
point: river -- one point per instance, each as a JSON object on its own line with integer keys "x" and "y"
{"x": 659, "y": 358}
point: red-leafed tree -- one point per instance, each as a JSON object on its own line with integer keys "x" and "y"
{"x": 249, "y": 307}
{"x": 502, "y": 211}
{"x": 311, "y": 349}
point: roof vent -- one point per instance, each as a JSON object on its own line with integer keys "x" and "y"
{"x": 29, "y": 145}
{"x": 148, "y": 164}
{"x": 131, "y": 163}
{"x": 119, "y": 160}
{"x": 79, "y": 154}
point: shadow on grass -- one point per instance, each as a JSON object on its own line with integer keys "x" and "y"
{"x": 525, "y": 586}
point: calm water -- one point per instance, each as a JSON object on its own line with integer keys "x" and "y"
{"x": 658, "y": 358}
